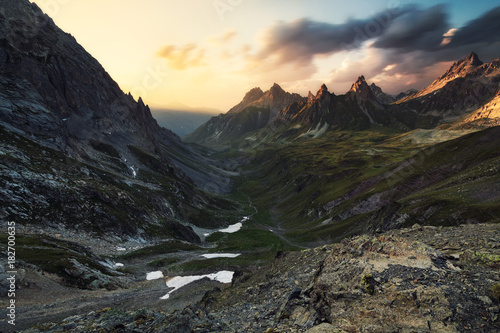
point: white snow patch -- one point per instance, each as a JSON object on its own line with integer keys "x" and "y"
{"x": 181, "y": 281}
{"x": 118, "y": 248}
{"x": 119, "y": 264}
{"x": 134, "y": 173}
{"x": 321, "y": 131}
{"x": 327, "y": 221}
{"x": 232, "y": 228}
{"x": 221, "y": 255}
{"x": 317, "y": 132}
{"x": 154, "y": 275}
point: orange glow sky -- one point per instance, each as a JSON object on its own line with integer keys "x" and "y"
{"x": 209, "y": 53}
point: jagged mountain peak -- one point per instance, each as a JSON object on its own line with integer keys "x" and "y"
{"x": 253, "y": 95}
{"x": 276, "y": 88}
{"x": 323, "y": 90}
{"x": 362, "y": 89}
{"x": 473, "y": 59}
{"x": 462, "y": 67}
{"x": 250, "y": 97}
{"x": 376, "y": 89}
{"x": 360, "y": 84}
{"x": 470, "y": 65}
{"x": 276, "y": 92}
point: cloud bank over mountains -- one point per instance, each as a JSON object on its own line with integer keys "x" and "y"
{"x": 398, "y": 48}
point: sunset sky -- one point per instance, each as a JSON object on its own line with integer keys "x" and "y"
{"x": 209, "y": 53}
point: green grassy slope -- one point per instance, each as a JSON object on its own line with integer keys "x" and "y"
{"x": 353, "y": 182}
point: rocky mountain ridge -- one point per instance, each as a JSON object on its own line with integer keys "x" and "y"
{"x": 254, "y": 112}
{"x": 459, "y": 69}
{"x": 466, "y": 87}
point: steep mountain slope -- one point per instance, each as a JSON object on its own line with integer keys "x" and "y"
{"x": 76, "y": 152}
{"x": 466, "y": 87}
{"x": 382, "y": 96}
{"x": 459, "y": 69}
{"x": 254, "y": 112}
{"x": 487, "y": 115}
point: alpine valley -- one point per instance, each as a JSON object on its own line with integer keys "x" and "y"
{"x": 361, "y": 212}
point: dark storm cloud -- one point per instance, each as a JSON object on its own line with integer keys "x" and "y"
{"x": 424, "y": 31}
{"x": 405, "y": 41}
{"x": 300, "y": 40}
{"x": 421, "y": 30}
{"x": 485, "y": 29}
{"x": 401, "y": 30}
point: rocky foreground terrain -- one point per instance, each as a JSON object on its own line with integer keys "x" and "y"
{"x": 419, "y": 279}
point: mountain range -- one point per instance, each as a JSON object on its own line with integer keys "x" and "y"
{"x": 467, "y": 87}
{"x": 339, "y": 213}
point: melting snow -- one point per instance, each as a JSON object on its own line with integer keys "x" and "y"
{"x": 232, "y": 228}
{"x": 134, "y": 173}
{"x": 154, "y": 276}
{"x": 181, "y": 281}
{"x": 220, "y": 255}
{"x": 119, "y": 265}
{"x": 121, "y": 248}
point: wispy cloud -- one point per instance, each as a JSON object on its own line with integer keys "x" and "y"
{"x": 224, "y": 38}
{"x": 183, "y": 57}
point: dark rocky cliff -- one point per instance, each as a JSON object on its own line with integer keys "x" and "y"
{"x": 79, "y": 153}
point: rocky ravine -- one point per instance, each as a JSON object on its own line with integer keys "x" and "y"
{"x": 422, "y": 279}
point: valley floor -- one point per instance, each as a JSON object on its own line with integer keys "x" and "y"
{"x": 421, "y": 279}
